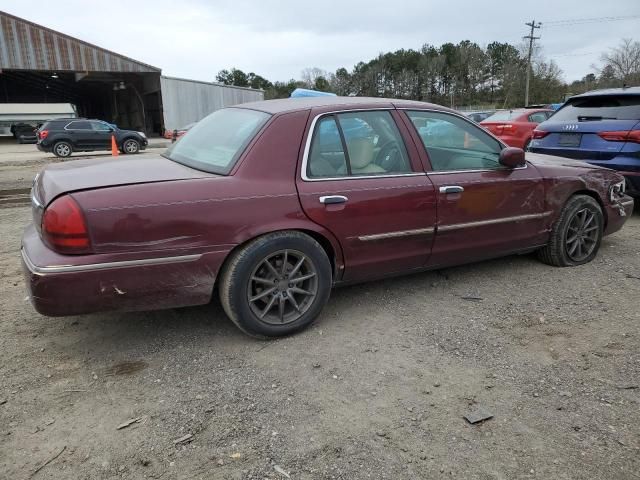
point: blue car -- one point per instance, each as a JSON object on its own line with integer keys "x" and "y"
{"x": 601, "y": 127}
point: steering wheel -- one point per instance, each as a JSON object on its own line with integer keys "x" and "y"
{"x": 389, "y": 157}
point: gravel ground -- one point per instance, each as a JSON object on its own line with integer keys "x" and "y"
{"x": 377, "y": 388}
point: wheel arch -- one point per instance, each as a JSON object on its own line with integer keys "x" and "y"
{"x": 328, "y": 243}
{"x": 593, "y": 194}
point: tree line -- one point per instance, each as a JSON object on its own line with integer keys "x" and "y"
{"x": 463, "y": 74}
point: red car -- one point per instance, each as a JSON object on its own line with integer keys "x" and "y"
{"x": 515, "y": 127}
{"x": 275, "y": 202}
{"x": 178, "y": 132}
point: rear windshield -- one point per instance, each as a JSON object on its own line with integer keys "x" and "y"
{"x": 504, "y": 115}
{"x": 215, "y": 142}
{"x": 605, "y": 107}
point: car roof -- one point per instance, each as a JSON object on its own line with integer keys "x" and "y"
{"x": 340, "y": 103}
{"x": 610, "y": 91}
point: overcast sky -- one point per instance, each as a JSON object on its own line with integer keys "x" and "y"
{"x": 277, "y": 39}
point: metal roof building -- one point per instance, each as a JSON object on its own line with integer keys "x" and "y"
{"x": 40, "y": 65}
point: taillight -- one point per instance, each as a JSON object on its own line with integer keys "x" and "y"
{"x": 42, "y": 134}
{"x": 537, "y": 134}
{"x": 64, "y": 228}
{"x": 621, "y": 136}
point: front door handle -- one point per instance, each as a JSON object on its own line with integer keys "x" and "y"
{"x": 332, "y": 199}
{"x": 451, "y": 189}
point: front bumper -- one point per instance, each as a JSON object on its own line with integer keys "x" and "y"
{"x": 60, "y": 285}
{"x": 617, "y": 214}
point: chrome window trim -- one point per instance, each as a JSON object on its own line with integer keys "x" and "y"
{"x": 106, "y": 265}
{"x": 504, "y": 169}
{"x": 396, "y": 234}
{"x": 79, "y": 129}
{"x": 307, "y": 149}
{"x": 492, "y": 221}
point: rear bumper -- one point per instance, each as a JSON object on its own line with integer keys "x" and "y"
{"x": 58, "y": 287}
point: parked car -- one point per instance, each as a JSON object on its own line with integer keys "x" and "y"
{"x": 257, "y": 201}
{"x": 515, "y": 127}
{"x": 67, "y": 135}
{"x": 601, "y": 127}
{"x": 479, "y": 116}
{"x": 178, "y": 132}
{"x": 24, "y": 132}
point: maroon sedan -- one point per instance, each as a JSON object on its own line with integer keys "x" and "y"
{"x": 275, "y": 202}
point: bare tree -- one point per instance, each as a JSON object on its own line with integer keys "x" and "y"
{"x": 624, "y": 60}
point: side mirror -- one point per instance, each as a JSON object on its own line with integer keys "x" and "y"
{"x": 512, "y": 157}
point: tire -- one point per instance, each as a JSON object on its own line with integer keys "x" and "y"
{"x": 130, "y": 146}
{"x": 62, "y": 149}
{"x": 570, "y": 225}
{"x": 246, "y": 276}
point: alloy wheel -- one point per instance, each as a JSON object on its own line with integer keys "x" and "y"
{"x": 282, "y": 287}
{"x": 582, "y": 235}
{"x": 63, "y": 150}
{"x": 130, "y": 146}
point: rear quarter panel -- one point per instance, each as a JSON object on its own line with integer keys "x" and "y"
{"x": 204, "y": 215}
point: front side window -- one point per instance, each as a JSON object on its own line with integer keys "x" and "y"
{"x": 215, "y": 143}
{"x": 357, "y": 144}
{"x": 453, "y": 143}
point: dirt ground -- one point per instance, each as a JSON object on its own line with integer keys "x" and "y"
{"x": 377, "y": 388}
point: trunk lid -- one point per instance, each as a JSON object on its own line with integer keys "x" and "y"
{"x": 90, "y": 174}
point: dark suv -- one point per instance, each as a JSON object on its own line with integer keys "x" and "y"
{"x": 601, "y": 127}
{"x": 65, "y": 136}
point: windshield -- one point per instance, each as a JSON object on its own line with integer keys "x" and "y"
{"x": 215, "y": 143}
{"x": 605, "y": 107}
{"x": 504, "y": 115}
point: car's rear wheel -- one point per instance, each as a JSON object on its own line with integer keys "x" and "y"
{"x": 131, "y": 146}
{"x": 576, "y": 236}
{"x": 276, "y": 285}
{"x": 62, "y": 149}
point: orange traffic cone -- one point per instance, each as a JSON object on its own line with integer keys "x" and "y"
{"x": 114, "y": 146}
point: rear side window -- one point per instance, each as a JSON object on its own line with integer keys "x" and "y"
{"x": 605, "y": 107}
{"x": 538, "y": 117}
{"x": 79, "y": 125}
{"x": 215, "y": 142}
{"x": 357, "y": 144}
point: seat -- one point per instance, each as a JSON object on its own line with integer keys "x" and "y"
{"x": 362, "y": 155}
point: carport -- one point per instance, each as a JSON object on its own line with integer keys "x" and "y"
{"x": 39, "y": 65}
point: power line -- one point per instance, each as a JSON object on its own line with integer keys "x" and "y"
{"x": 581, "y": 21}
{"x": 531, "y": 38}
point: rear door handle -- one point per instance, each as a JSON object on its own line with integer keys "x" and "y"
{"x": 332, "y": 199}
{"x": 451, "y": 189}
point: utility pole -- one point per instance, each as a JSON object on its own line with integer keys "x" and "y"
{"x": 531, "y": 38}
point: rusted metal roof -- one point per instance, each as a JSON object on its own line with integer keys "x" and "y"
{"x": 25, "y": 45}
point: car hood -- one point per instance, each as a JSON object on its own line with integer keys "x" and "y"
{"x": 90, "y": 174}
{"x": 552, "y": 161}
{"x": 551, "y": 166}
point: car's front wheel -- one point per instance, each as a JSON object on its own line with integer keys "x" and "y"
{"x": 62, "y": 149}
{"x": 576, "y": 236}
{"x": 276, "y": 285}
{"x": 131, "y": 146}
